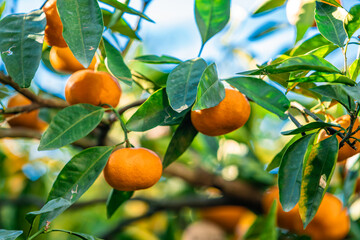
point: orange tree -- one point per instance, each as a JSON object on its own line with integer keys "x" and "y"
{"x": 196, "y": 108}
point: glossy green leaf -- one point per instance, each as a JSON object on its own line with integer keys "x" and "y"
{"x": 125, "y": 8}
{"x": 83, "y": 27}
{"x": 305, "y": 19}
{"x": 323, "y": 51}
{"x": 115, "y": 64}
{"x": 264, "y": 227}
{"x": 268, "y": 5}
{"x": 211, "y": 17}
{"x": 153, "y": 112}
{"x": 115, "y": 200}
{"x": 182, "y": 83}
{"x": 304, "y": 62}
{"x": 330, "y": 22}
{"x": 9, "y": 234}
{"x": 262, "y": 93}
{"x": 21, "y": 40}
{"x": 309, "y": 45}
{"x": 2, "y": 7}
{"x": 4, "y": 91}
{"x": 352, "y": 91}
{"x": 180, "y": 141}
{"x": 49, "y": 208}
{"x": 153, "y": 59}
{"x": 276, "y": 161}
{"x": 350, "y": 182}
{"x": 354, "y": 69}
{"x": 71, "y": 124}
{"x": 352, "y": 21}
{"x": 323, "y": 77}
{"x": 121, "y": 26}
{"x": 210, "y": 90}
{"x": 317, "y": 174}
{"x": 338, "y": 93}
{"x": 290, "y": 171}
{"x": 77, "y": 176}
{"x": 309, "y": 127}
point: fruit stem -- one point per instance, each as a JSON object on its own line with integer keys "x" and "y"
{"x": 42, "y": 230}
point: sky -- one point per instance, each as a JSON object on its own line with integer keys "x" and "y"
{"x": 175, "y": 33}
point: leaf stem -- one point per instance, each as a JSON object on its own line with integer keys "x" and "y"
{"x": 344, "y": 51}
{"x": 42, "y": 230}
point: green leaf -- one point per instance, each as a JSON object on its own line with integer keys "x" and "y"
{"x": 268, "y": 5}
{"x": 309, "y": 127}
{"x": 210, "y": 90}
{"x": 180, "y": 141}
{"x": 304, "y": 62}
{"x": 125, "y": 8}
{"x": 153, "y": 112}
{"x": 266, "y": 29}
{"x": 330, "y": 22}
{"x": 4, "y": 92}
{"x": 2, "y": 7}
{"x": 182, "y": 83}
{"x": 309, "y": 45}
{"x": 276, "y": 161}
{"x": 350, "y": 182}
{"x": 71, "y": 124}
{"x": 323, "y": 77}
{"x": 317, "y": 174}
{"x": 338, "y": 92}
{"x": 9, "y": 234}
{"x": 211, "y": 17}
{"x": 153, "y": 59}
{"x": 305, "y": 19}
{"x": 290, "y": 171}
{"x": 121, "y": 26}
{"x": 115, "y": 200}
{"x": 83, "y": 27}
{"x": 352, "y": 21}
{"x": 354, "y": 69}
{"x": 323, "y": 51}
{"x": 264, "y": 228}
{"x": 115, "y": 64}
{"x": 77, "y": 176}
{"x": 262, "y": 93}
{"x": 49, "y": 208}
{"x": 21, "y": 40}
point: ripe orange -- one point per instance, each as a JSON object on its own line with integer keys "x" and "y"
{"x": 331, "y": 222}
{"x": 54, "y": 27}
{"x": 244, "y": 223}
{"x": 28, "y": 120}
{"x": 230, "y": 114}
{"x": 87, "y": 86}
{"x": 130, "y": 169}
{"x": 63, "y": 60}
{"x": 226, "y": 217}
{"x": 345, "y": 151}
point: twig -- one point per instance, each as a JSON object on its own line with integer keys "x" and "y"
{"x": 297, "y": 124}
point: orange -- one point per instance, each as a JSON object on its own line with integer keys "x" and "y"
{"x": 96, "y": 88}
{"x": 28, "y": 120}
{"x": 63, "y": 60}
{"x": 244, "y": 223}
{"x": 54, "y": 27}
{"x": 230, "y": 114}
{"x": 345, "y": 151}
{"x": 331, "y": 222}
{"x": 226, "y": 217}
{"x": 130, "y": 169}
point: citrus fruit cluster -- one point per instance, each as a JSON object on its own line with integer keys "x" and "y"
{"x": 128, "y": 169}
{"x": 331, "y": 221}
